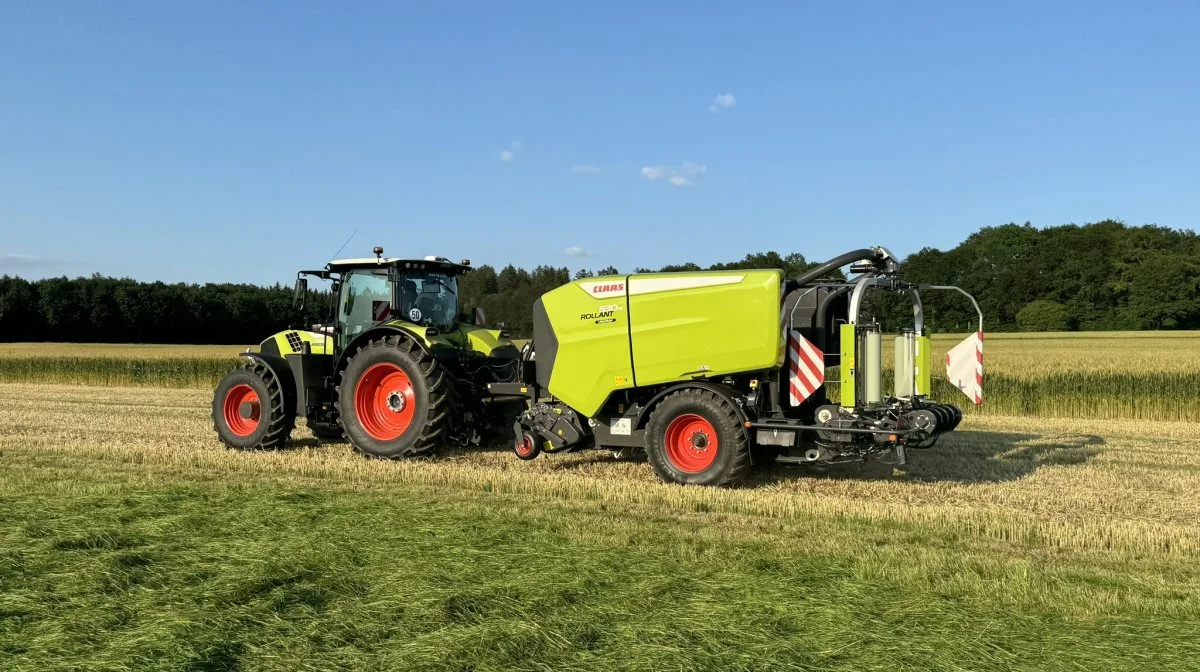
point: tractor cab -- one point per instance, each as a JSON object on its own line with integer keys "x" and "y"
{"x": 421, "y": 294}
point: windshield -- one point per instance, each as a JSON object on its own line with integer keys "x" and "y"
{"x": 429, "y": 299}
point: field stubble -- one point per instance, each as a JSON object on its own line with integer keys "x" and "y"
{"x": 1119, "y": 486}
{"x": 133, "y": 540}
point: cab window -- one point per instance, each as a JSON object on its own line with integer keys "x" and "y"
{"x": 366, "y": 299}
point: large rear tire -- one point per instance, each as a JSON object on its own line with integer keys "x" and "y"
{"x": 695, "y": 437}
{"x": 393, "y": 399}
{"x": 249, "y": 409}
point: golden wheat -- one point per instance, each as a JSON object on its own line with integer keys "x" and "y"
{"x": 120, "y": 350}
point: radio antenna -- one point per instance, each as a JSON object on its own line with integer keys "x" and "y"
{"x": 339, "y": 250}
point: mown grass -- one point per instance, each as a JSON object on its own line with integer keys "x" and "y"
{"x": 131, "y": 540}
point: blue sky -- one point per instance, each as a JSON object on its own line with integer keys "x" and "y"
{"x": 241, "y": 141}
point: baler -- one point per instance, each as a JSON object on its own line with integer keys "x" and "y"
{"x": 708, "y": 371}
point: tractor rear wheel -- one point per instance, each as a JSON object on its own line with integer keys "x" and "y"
{"x": 249, "y": 410}
{"x": 695, "y": 437}
{"x": 393, "y": 399}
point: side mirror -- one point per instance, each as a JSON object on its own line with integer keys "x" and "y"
{"x": 300, "y": 294}
{"x": 480, "y": 318}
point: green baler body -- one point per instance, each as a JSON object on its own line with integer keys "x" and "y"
{"x": 599, "y": 335}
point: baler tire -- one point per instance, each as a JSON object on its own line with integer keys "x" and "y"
{"x": 424, "y": 385}
{"x": 253, "y": 383}
{"x": 528, "y": 448}
{"x": 676, "y": 423}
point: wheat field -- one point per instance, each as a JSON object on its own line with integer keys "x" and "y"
{"x": 1104, "y": 376}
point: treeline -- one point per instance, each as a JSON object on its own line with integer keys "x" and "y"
{"x": 1095, "y": 277}
{"x": 109, "y": 310}
{"x": 1098, "y": 276}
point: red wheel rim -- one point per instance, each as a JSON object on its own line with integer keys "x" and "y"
{"x": 525, "y": 447}
{"x": 385, "y": 402}
{"x": 691, "y": 443}
{"x": 239, "y": 396}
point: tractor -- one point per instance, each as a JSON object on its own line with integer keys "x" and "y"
{"x": 397, "y": 370}
{"x": 707, "y": 372}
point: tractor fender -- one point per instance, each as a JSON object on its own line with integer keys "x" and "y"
{"x": 282, "y": 373}
{"x": 369, "y": 334}
{"x": 728, "y": 394}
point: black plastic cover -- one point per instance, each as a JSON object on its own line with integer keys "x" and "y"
{"x": 545, "y": 344}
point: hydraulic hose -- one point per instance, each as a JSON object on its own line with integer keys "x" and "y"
{"x": 865, "y": 254}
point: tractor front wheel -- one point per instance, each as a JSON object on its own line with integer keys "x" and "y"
{"x": 249, "y": 410}
{"x": 695, "y": 437}
{"x": 393, "y": 399}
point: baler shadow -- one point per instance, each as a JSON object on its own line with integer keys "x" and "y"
{"x": 963, "y": 456}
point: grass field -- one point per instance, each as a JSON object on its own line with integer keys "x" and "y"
{"x": 131, "y": 540}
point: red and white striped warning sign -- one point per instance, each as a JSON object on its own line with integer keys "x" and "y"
{"x": 964, "y": 366}
{"x": 807, "y": 365}
{"x": 380, "y": 310}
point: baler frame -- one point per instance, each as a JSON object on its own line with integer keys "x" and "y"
{"x": 821, "y": 432}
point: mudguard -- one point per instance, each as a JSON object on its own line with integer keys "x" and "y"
{"x": 283, "y": 373}
{"x": 375, "y": 332}
{"x": 720, "y": 390}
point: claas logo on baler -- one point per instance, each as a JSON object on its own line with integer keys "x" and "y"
{"x": 608, "y": 288}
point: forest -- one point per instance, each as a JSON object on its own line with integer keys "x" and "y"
{"x": 1093, "y": 277}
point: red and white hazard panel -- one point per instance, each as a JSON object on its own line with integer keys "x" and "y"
{"x": 964, "y": 366}
{"x": 807, "y": 365}
{"x": 380, "y": 310}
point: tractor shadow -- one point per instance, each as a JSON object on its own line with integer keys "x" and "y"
{"x": 962, "y": 456}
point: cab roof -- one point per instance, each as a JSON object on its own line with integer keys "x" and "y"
{"x": 430, "y": 263}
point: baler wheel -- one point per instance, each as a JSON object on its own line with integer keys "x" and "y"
{"x": 249, "y": 410}
{"x": 695, "y": 437}
{"x": 527, "y": 448}
{"x": 393, "y": 400}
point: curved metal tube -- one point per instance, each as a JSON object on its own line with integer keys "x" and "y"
{"x": 860, "y": 287}
{"x": 962, "y": 291}
{"x": 823, "y": 310}
{"x": 918, "y": 312}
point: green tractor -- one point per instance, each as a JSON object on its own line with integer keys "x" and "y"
{"x": 397, "y": 370}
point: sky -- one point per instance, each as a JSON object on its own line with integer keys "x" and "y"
{"x": 239, "y": 142}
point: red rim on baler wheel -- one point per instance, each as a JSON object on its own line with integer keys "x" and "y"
{"x": 691, "y": 443}
{"x": 525, "y": 447}
{"x": 242, "y": 398}
{"x": 385, "y": 402}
